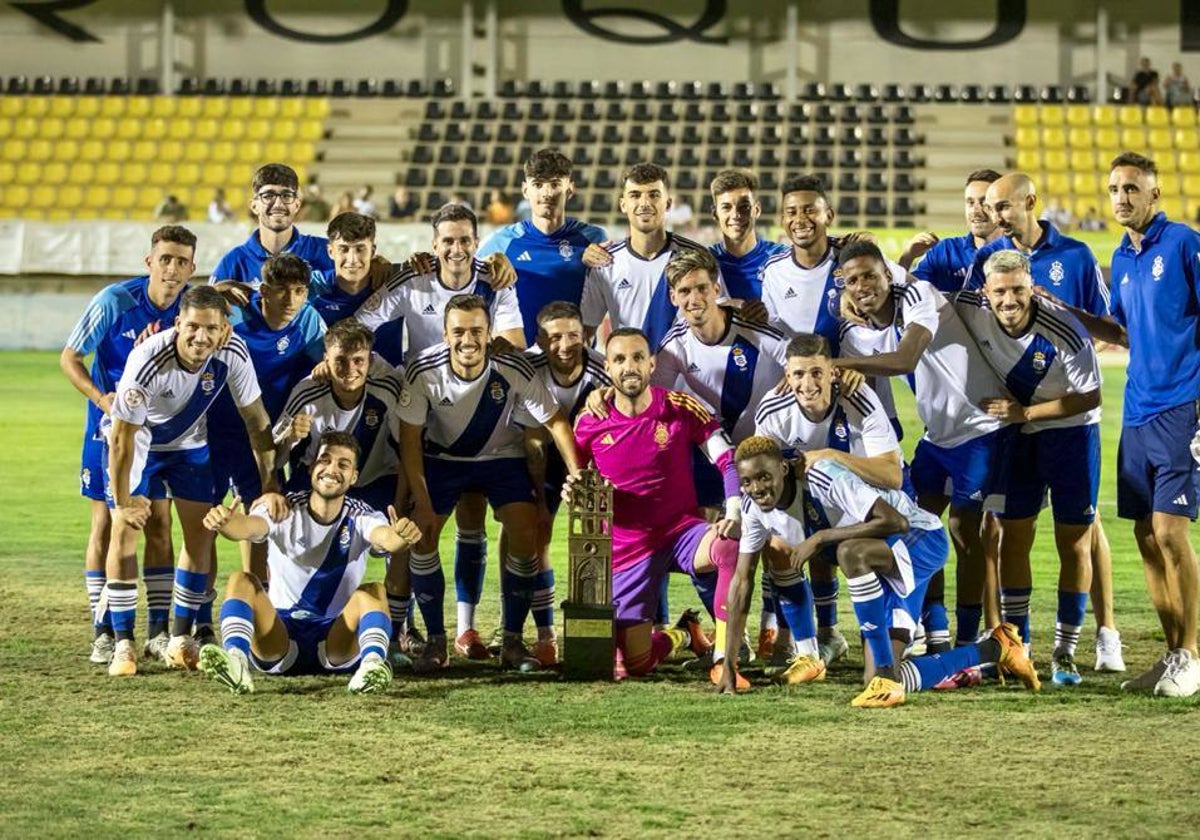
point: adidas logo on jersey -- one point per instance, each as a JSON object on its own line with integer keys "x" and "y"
{"x": 693, "y": 367}
{"x": 168, "y": 394}
{"x": 977, "y": 496}
{"x": 446, "y": 401}
{"x": 1181, "y": 499}
{"x": 607, "y": 440}
{"x": 524, "y": 257}
{"x": 429, "y": 310}
{"x": 129, "y": 334}
{"x": 624, "y": 284}
{"x": 790, "y": 293}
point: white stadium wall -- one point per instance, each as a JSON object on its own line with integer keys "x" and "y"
{"x": 545, "y": 39}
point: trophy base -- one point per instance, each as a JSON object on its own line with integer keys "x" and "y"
{"x": 589, "y": 643}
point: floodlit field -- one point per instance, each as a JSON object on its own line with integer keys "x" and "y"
{"x": 480, "y": 753}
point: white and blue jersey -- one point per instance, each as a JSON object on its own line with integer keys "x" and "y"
{"x": 244, "y": 263}
{"x": 730, "y": 377}
{"x": 1064, "y": 266}
{"x": 572, "y": 396}
{"x": 633, "y": 291}
{"x": 110, "y": 325}
{"x": 744, "y": 275}
{"x": 549, "y": 266}
{"x": 1156, "y": 297}
{"x": 947, "y": 264}
{"x": 856, "y": 423}
{"x": 334, "y": 304}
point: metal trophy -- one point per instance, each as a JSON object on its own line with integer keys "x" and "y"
{"x": 588, "y": 638}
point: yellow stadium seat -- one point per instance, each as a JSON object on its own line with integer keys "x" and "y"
{"x": 14, "y": 149}
{"x": 58, "y": 214}
{"x": 1157, "y": 116}
{"x": 25, "y": 127}
{"x": 140, "y": 106}
{"x": 36, "y": 106}
{"x": 302, "y": 153}
{"x": 1086, "y": 183}
{"x": 1055, "y": 159}
{"x": 161, "y": 173}
{"x": 87, "y": 106}
{"x": 123, "y": 197}
{"x": 214, "y": 107}
{"x": 1051, "y": 115}
{"x": 1023, "y": 115}
{"x": 1079, "y": 116}
{"x": 1130, "y": 116}
{"x": 233, "y": 130}
{"x": 317, "y": 109}
{"x": 40, "y": 150}
{"x": 55, "y": 172}
{"x": 81, "y": 172}
{"x": 103, "y": 128}
{"x": 51, "y": 128}
{"x": 1082, "y": 160}
{"x": 293, "y": 109}
{"x": 241, "y": 108}
{"x": 249, "y": 151}
{"x": 1052, "y": 138}
{"x": 1160, "y": 139}
{"x": 275, "y": 151}
{"x": 16, "y": 196}
{"x": 1183, "y": 117}
{"x": 147, "y": 198}
{"x": 108, "y": 172}
{"x": 43, "y": 196}
{"x": 129, "y": 129}
{"x": 1187, "y": 138}
{"x": 289, "y": 130}
{"x": 185, "y": 194}
{"x": 28, "y": 172}
{"x": 144, "y": 151}
{"x": 114, "y": 214}
{"x": 66, "y": 150}
{"x": 10, "y": 106}
{"x": 258, "y": 130}
{"x": 265, "y": 108}
{"x": 170, "y": 150}
{"x": 1133, "y": 138}
{"x": 6, "y": 127}
{"x": 112, "y": 107}
{"x": 214, "y": 174}
{"x": 1191, "y": 185}
{"x": 1171, "y": 205}
{"x": 8, "y": 171}
{"x": 119, "y": 150}
{"x": 1056, "y": 183}
{"x": 134, "y": 173}
{"x": 1104, "y": 115}
{"x": 1166, "y": 162}
{"x": 1107, "y": 138}
{"x": 195, "y": 151}
{"x": 189, "y": 107}
{"x": 163, "y": 107}
{"x": 187, "y": 174}
{"x": 154, "y": 128}
{"x": 179, "y": 130}
{"x": 70, "y": 196}
{"x": 206, "y": 129}
{"x": 223, "y": 151}
{"x": 62, "y": 106}
{"x": 77, "y": 128}
{"x": 1080, "y": 138}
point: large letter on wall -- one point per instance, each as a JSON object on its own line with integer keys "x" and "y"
{"x": 257, "y": 9}
{"x": 1189, "y": 26}
{"x": 1010, "y": 20}
{"x": 47, "y": 14}
{"x": 585, "y": 19}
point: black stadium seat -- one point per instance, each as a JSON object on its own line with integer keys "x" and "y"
{"x": 972, "y": 93}
{"x": 95, "y": 85}
{"x": 535, "y": 89}
{"x": 893, "y": 93}
{"x": 998, "y": 94}
{"x": 589, "y": 89}
{"x": 1079, "y": 94}
{"x": 945, "y": 93}
{"x": 1052, "y": 94}
{"x": 68, "y": 85}
{"x": 666, "y": 90}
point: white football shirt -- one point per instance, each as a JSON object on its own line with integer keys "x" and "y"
{"x": 758, "y": 526}
{"x": 571, "y": 396}
{"x": 856, "y": 424}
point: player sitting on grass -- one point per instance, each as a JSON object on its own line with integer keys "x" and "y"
{"x": 319, "y": 617}
{"x": 887, "y": 547}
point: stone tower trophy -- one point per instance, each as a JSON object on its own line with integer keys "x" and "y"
{"x": 588, "y": 638}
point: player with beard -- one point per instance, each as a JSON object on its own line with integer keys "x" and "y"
{"x": 946, "y": 262}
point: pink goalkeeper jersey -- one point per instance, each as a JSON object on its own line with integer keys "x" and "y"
{"x": 648, "y": 459}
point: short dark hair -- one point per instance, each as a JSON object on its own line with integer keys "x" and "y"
{"x": 807, "y": 344}
{"x": 351, "y": 227}
{"x": 989, "y": 175}
{"x": 558, "y": 309}
{"x": 546, "y": 165}
{"x": 732, "y": 179}
{"x": 203, "y": 297}
{"x": 275, "y": 173}
{"x": 455, "y": 213}
{"x": 645, "y": 173}
{"x": 687, "y": 260}
{"x": 629, "y": 332}
{"x": 1136, "y": 161}
{"x": 350, "y": 335}
{"x": 336, "y": 438}
{"x": 804, "y": 183}
{"x": 860, "y": 248}
{"x": 466, "y": 303}
{"x": 286, "y": 270}
{"x": 174, "y": 233}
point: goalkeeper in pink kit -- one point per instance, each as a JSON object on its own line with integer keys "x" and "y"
{"x": 644, "y": 448}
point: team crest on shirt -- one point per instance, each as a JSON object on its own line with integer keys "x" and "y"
{"x": 739, "y": 358}
{"x": 208, "y": 383}
{"x": 661, "y": 435}
{"x": 838, "y": 281}
{"x": 1157, "y": 269}
{"x": 1039, "y": 361}
{"x": 1056, "y": 273}
{"x": 374, "y": 301}
{"x": 344, "y": 537}
{"x": 565, "y": 250}
{"x": 498, "y": 392}
{"x": 405, "y": 398}
{"x": 839, "y": 431}
{"x": 85, "y": 479}
{"x": 135, "y": 397}
{"x": 283, "y": 344}
{"x": 371, "y": 418}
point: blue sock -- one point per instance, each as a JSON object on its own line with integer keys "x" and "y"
{"x": 931, "y": 670}
{"x": 543, "y": 599}
{"x": 398, "y": 606}
{"x": 95, "y": 589}
{"x": 796, "y": 605}
{"x": 204, "y": 615}
{"x": 825, "y": 595}
{"x": 159, "y": 581}
{"x": 470, "y": 561}
{"x": 374, "y": 630}
{"x": 937, "y": 623}
{"x": 1069, "y": 620}
{"x": 429, "y": 589}
{"x": 190, "y": 588}
{"x": 517, "y": 583}
{"x": 969, "y": 617}
{"x": 662, "y": 613}
{"x": 1014, "y": 608}
{"x": 121, "y": 599}
{"x": 237, "y": 625}
{"x": 866, "y": 593}
{"x": 706, "y": 587}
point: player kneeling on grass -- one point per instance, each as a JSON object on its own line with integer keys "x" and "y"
{"x": 319, "y": 617}
{"x": 887, "y": 547}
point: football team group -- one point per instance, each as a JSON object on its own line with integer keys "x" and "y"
{"x": 316, "y": 404}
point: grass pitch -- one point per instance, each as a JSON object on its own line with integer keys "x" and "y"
{"x": 478, "y": 753}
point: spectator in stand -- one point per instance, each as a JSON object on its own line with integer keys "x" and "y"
{"x": 499, "y": 209}
{"x": 170, "y": 209}
{"x": 1091, "y": 221}
{"x": 1143, "y": 88}
{"x": 403, "y": 205}
{"x": 364, "y": 202}
{"x": 315, "y": 208}
{"x": 219, "y": 210}
{"x": 1177, "y": 88}
{"x": 1058, "y": 215}
{"x": 345, "y": 204}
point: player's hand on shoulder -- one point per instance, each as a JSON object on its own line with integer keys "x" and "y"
{"x": 918, "y": 246}
{"x": 276, "y": 504}
{"x": 596, "y": 403}
{"x": 234, "y": 292}
{"x": 501, "y": 345}
{"x": 321, "y": 372}
{"x": 147, "y": 331}
{"x": 1043, "y": 292}
{"x": 754, "y": 311}
{"x": 136, "y": 513}
{"x": 851, "y": 380}
{"x": 502, "y": 271}
{"x": 596, "y": 256}
{"x": 856, "y": 236}
{"x": 381, "y": 269}
{"x": 403, "y": 527}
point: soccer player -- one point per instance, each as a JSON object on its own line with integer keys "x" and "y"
{"x": 741, "y": 254}
{"x": 157, "y": 440}
{"x": 1051, "y": 372}
{"x": 571, "y": 371}
{"x": 275, "y": 202}
{"x": 113, "y": 322}
{"x": 458, "y": 435}
{"x": 319, "y": 617}
{"x": 1156, "y": 314}
{"x": 946, "y": 262}
{"x": 902, "y": 329}
{"x": 631, "y": 288}
{"x": 643, "y": 446}
{"x": 887, "y": 547}
{"x": 546, "y": 251}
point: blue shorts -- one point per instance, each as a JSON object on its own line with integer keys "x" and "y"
{"x": 1064, "y": 461}
{"x": 556, "y": 477}
{"x": 306, "y": 647}
{"x": 919, "y": 556}
{"x": 710, "y": 484}
{"x": 179, "y": 474}
{"x": 1156, "y": 472}
{"x": 93, "y": 468}
{"x": 502, "y": 480}
{"x": 234, "y": 468}
{"x": 969, "y": 469}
